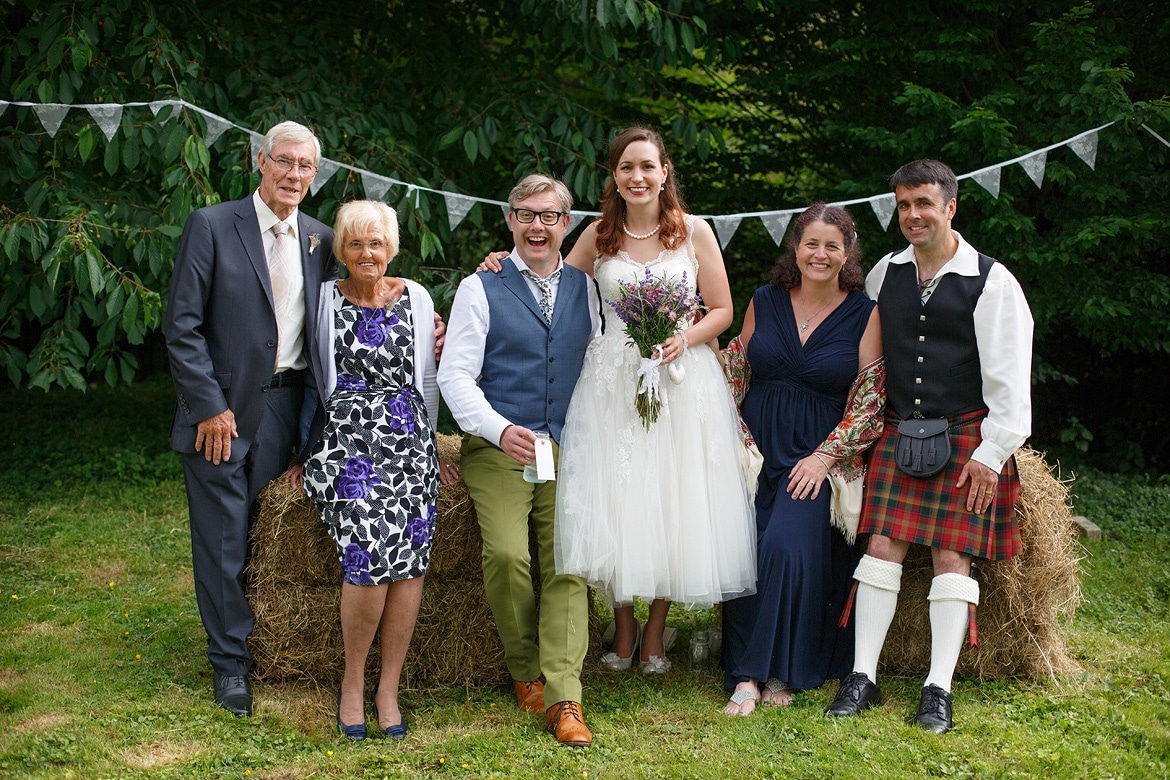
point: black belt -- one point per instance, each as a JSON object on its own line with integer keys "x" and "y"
{"x": 290, "y": 378}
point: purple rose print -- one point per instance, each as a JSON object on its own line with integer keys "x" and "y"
{"x": 421, "y": 528}
{"x": 358, "y": 478}
{"x": 401, "y": 415}
{"x": 355, "y": 565}
{"x": 374, "y": 325}
{"x": 347, "y": 382}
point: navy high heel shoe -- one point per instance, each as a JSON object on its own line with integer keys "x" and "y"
{"x": 398, "y": 730}
{"x": 356, "y": 732}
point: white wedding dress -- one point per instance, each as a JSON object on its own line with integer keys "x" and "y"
{"x": 658, "y": 514}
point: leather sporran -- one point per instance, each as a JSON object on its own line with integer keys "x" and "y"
{"x": 924, "y": 446}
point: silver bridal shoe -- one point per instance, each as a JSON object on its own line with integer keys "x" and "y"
{"x": 616, "y": 663}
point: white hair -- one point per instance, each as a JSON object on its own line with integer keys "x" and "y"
{"x": 290, "y": 132}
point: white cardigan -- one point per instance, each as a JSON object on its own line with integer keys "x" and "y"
{"x": 425, "y": 368}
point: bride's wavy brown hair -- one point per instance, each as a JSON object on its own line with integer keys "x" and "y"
{"x": 672, "y": 228}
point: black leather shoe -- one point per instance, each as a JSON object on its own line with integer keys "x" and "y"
{"x": 935, "y": 709}
{"x": 857, "y": 693}
{"x": 234, "y": 694}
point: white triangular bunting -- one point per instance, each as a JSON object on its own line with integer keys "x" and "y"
{"x": 3, "y": 106}
{"x": 504, "y": 207}
{"x": 1086, "y": 148}
{"x": 325, "y": 172}
{"x": 457, "y": 208}
{"x": 108, "y": 117}
{"x": 883, "y": 209}
{"x": 1033, "y": 165}
{"x": 725, "y": 228}
{"x": 216, "y": 125}
{"x": 255, "y": 144}
{"x": 157, "y": 105}
{"x": 51, "y": 116}
{"x": 777, "y": 224}
{"x": 575, "y": 219}
{"x": 988, "y": 179}
{"x": 375, "y": 186}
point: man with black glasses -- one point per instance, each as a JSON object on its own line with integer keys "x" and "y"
{"x": 516, "y": 343}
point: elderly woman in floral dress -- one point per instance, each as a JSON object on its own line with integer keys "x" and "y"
{"x": 374, "y": 472}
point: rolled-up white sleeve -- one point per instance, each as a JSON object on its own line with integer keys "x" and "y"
{"x": 1003, "y": 332}
{"x": 462, "y": 364}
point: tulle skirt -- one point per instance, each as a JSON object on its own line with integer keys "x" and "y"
{"x": 663, "y": 513}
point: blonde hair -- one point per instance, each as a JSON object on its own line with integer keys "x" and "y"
{"x": 535, "y": 183}
{"x": 357, "y": 218}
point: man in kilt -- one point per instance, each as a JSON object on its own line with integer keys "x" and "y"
{"x": 957, "y": 336}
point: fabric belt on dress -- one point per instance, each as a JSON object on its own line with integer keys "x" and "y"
{"x": 293, "y": 377}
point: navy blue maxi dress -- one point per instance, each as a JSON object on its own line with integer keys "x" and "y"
{"x": 797, "y": 396}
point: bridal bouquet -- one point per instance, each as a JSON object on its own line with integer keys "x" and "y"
{"x": 651, "y": 309}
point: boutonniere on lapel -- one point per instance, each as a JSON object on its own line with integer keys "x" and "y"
{"x": 314, "y": 239}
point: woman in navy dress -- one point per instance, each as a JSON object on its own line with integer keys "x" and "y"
{"x": 815, "y": 396}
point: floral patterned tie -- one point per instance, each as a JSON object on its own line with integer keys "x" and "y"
{"x": 545, "y": 285}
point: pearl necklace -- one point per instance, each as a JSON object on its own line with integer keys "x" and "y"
{"x": 639, "y": 236}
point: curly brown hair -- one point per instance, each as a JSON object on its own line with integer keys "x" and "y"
{"x": 672, "y": 229}
{"x": 786, "y": 274}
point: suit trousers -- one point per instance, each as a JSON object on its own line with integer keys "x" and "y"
{"x": 506, "y": 506}
{"x": 222, "y": 504}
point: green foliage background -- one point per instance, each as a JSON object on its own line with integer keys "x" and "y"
{"x": 765, "y": 104}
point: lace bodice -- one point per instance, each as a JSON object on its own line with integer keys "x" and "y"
{"x": 620, "y": 269}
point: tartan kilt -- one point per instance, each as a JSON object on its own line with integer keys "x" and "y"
{"x": 932, "y": 511}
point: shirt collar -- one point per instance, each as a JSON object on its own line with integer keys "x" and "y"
{"x": 965, "y": 261}
{"x": 267, "y": 218}
{"x": 520, "y": 264}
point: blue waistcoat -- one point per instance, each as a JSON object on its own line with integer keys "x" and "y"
{"x": 530, "y": 367}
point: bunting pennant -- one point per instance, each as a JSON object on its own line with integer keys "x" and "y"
{"x": 1034, "y": 164}
{"x": 325, "y": 172}
{"x": 725, "y": 228}
{"x": 375, "y": 186}
{"x": 3, "y": 106}
{"x": 883, "y": 209}
{"x": 51, "y": 116}
{"x": 1085, "y": 147}
{"x": 506, "y": 209}
{"x": 777, "y": 224}
{"x": 108, "y": 117}
{"x": 159, "y": 105}
{"x": 988, "y": 179}
{"x": 457, "y": 208}
{"x": 575, "y": 219}
{"x": 216, "y": 125}
{"x": 255, "y": 144}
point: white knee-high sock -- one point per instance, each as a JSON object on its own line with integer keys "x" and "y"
{"x": 878, "y": 583}
{"x": 950, "y": 595}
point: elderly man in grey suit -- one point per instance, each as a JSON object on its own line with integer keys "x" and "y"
{"x": 243, "y": 295}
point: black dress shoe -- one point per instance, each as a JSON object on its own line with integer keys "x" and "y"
{"x": 935, "y": 709}
{"x": 857, "y": 693}
{"x": 234, "y": 694}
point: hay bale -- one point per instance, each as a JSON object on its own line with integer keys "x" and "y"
{"x": 294, "y": 587}
{"x": 1022, "y": 601}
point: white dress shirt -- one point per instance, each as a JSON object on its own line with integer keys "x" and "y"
{"x": 290, "y": 351}
{"x": 462, "y": 363}
{"x": 1003, "y": 335}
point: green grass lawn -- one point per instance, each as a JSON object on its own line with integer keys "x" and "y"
{"x": 103, "y": 672}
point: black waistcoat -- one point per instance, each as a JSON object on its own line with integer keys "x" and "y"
{"x": 932, "y": 359}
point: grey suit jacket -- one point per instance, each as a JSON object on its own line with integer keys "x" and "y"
{"x": 221, "y": 326}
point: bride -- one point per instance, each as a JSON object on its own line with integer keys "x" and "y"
{"x": 662, "y": 514}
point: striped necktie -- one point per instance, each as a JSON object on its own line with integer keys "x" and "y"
{"x": 278, "y": 274}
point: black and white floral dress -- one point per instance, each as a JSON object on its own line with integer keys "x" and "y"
{"x": 374, "y": 474}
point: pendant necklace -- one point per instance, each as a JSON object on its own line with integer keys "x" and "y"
{"x": 639, "y": 236}
{"x": 804, "y": 325}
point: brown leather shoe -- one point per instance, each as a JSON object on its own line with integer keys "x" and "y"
{"x": 529, "y": 695}
{"x": 564, "y": 721}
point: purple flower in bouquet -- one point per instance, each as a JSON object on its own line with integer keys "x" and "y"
{"x": 653, "y": 309}
{"x": 355, "y": 565}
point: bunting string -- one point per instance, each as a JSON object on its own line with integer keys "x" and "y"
{"x": 108, "y": 117}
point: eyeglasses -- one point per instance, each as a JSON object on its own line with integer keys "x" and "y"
{"x": 546, "y": 217}
{"x": 284, "y": 165}
{"x": 358, "y": 246}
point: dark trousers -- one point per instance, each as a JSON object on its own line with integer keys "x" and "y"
{"x": 222, "y": 503}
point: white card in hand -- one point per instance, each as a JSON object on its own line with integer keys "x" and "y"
{"x": 544, "y": 460}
